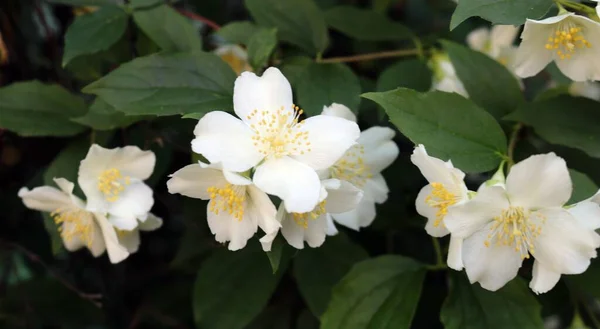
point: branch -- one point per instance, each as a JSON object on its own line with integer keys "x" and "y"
{"x": 199, "y": 18}
{"x": 371, "y": 56}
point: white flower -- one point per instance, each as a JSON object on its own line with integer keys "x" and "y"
{"x": 361, "y": 166}
{"x": 567, "y": 39}
{"x": 502, "y": 226}
{"x": 496, "y": 42}
{"x": 445, "y": 191}
{"x": 131, "y": 239}
{"x": 78, "y": 227}
{"x": 270, "y": 136}
{"x": 112, "y": 180}
{"x": 336, "y": 197}
{"x": 235, "y": 56}
{"x": 444, "y": 75}
{"x": 236, "y": 208}
{"x": 585, "y": 89}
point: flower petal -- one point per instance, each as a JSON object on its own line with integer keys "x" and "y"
{"x": 130, "y": 240}
{"x": 585, "y": 63}
{"x": 135, "y": 201}
{"x": 151, "y": 223}
{"x": 532, "y": 55}
{"x": 438, "y": 171}
{"x": 539, "y": 181}
{"x": 193, "y": 181}
{"x": 331, "y": 229}
{"x": 314, "y": 234}
{"x": 220, "y": 137}
{"x": 116, "y": 252}
{"x": 340, "y": 111}
{"x": 455, "y": 250}
{"x": 587, "y": 214}
{"x": 362, "y": 216}
{"x": 45, "y": 198}
{"x": 478, "y": 39}
{"x": 376, "y": 188}
{"x": 380, "y": 154}
{"x": 263, "y": 210}
{"x": 295, "y": 183}
{"x": 344, "y": 198}
{"x": 503, "y": 35}
{"x": 543, "y": 278}
{"x": 429, "y": 212}
{"x": 226, "y": 227}
{"x": 329, "y": 137}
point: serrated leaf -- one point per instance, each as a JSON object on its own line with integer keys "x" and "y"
{"x": 260, "y": 47}
{"x": 412, "y": 73}
{"x": 167, "y": 84}
{"x": 333, "y": 259}
{"x": 168, "y": 29}
{"x": 364, "y": 24}
{"x": 299, "y": 22}
{"x": 513, "y": 12}
{"x": 102, "y": 116}
{"x": 380, "y": 293}
{"x": 468, "y": 306}
{"x": 238, "y": 32}
{"x": 564, "y": 120}
{"x": 489, "y": 83}
{"x": 583, "y": 187}
{"x": 35, "y": 109}
{"x": 323, "y": 84}
{"x": 450, "y": 126}
{"x": 95, "y": 32}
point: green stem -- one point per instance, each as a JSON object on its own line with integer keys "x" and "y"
{"x": 439, "y": 260}
{"x": 512, "y": 144}
{"x": 575, "y": 6}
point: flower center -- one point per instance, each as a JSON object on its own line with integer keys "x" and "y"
{"x": 302, "y": 218}
{"x": 352, "y": 167}
{"x": 566, "y": 39}
{"x": 514, "y": 228}
{"x": 440, "y": 198}
{"x": 230, "y": 199}
{"x": 74, "y": 223}
{"x": 111, "y": 183}
{"x": 279, "y": 133}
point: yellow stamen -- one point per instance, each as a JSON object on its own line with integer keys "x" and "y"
{"x": 229, "y": 198}
{"x": 352, "y": 167}
{"x": 303, "y": 218}
{"x": 74, "y": 223}
{"x": 111, "y": 183}
{"x": 566, "y": 40}
{"x": 440, "y": 198}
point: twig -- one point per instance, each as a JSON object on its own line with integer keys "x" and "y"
{"x": 199, "y": 18}
{"x": 371, "y": 56}
{"x": 514, "y": 137}
{"x": 438, "y": 252}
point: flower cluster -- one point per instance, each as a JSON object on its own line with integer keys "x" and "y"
{"x": 117, "y": 207}
{"x": 492, "y": 231}
{"x": 322, "y": 168}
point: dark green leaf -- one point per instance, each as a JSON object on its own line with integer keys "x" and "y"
{"x": 168, "y": 29}
{"x": 513, "y": 12}
{"x": 450, "y": 126}
{"x": 413, "y": 74}
{"x": 493, "y": 88}
{"x": 86, "y": 2}
{"x": 261, "y": 46}
{"x": 364, "y": 24}
{"x": 323, "y": 84}
{"x": 166, "y": 84}
{"x": 140, "y": 4}
{"x": 238, "y": 32}
{"x": 294, "y": 67}
{"x": 586, "y": 283}
{"x": 35, "y": 109}
{"x": 333, "y": 260}
{"x": 66, "y": 163}
{"x": 276, "y": 253}
{"x": 299, "y": 22}
{"x": 468, "y": 306}
{"x": 102, "y": 116}
{"x": 377, "y": 293}
{"x": 583, "y": 186}
{"x": 564, "y": 120}
{"x": 95, "y": 32}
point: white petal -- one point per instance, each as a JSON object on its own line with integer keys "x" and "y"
{"x": 504, "y": 35}
{"x": 331, "y": 229}
{"x": 236, "y": 179}
{"x": 463, "y": 220}
{"x": 539, "y": 181}
{"x": 151, "y": 223}
{"x": 123, "y": 223}
{"x": 291, "y": 231}
{"x": 340, "y": 111}
{"x": 295, "y": 183}
{"x": 270, "y": 92}
{"x": 587, "y": 214}
{"x": 491, "y": 266}
{"x": 193, "y": 181}
{"x": 380, "y": 150}
{"x": 376, "y": 188}
{"x": 375, "y": 137}
{"x": 98, "y": 243}
{"x": 220, "y": 137}
{"x": 362, "y": 216}
{"x": 226, "y": 227}
{"x": 135, "y": 201}
{"x": 478, "y": 39}
{"x": 130, "y": 160}
{"x": 586, "y": 89}
{"x": 430, "y": 213}
{"x": 455, "y": 250}
{"x": 438, "y": 171}
{"x": 450, "y": 84}
{"x": 585, "y": 63}
{"x": 543, "y": 278}
{"x": 344, "y": 198}
{"x": 329, "y": 137}
{"x": 116, "y": 252}
{"x": 130, "y": 240}
{"x": 263, "y": 210}
{"x": 532, "y": 55}
{"x": 314, "y": 234}
{"x": 45, "y": 198}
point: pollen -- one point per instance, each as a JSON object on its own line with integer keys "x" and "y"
{"x": 515, "y": 228}
{"x": 111, "y": 183}
{"x": 302, "y": 218}
{"x": 74, "y": 223}
{"x": 229, "y": 198}
{"x": 352, "y": 167}
{"x": 566, "y": 40}
{"x": 441, "y": 199}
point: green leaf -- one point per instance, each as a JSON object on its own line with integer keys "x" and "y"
{"x": 168, "y": 29}
{"x": 232, "y": 288}
{"x": 508, "y": 12}
{"x": 35, "y": 109}
{"x": 364, "y": 24}
{"x": 238, "y": 32}
{"x": 166, "y": 84}
{"x": 450, "y": 126}
{"x": 586, "y": 283}
{"x": 493, "y": 88}
{"x": 102, "y": 116}
{"x": 380, "y": 293}
{"x": 299, "y": 22}
{"x": 583, "y": 187}
{"x": 140, "y": 4}
{"x": 468, "y": 306}
{"x": 86, "y": 2}
{"x": 564, "y": 120}
{"x": 333, "y": 260}
{"x": 261, "y": 46}
{"x": 277, "y": 253}
{"x": 412, "y": 73}
{"x": 294, "y": 67}
{"x": 95, "y": 32}
{"x": 323, "y": 84}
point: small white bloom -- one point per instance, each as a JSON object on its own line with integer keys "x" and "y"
{"x": 444, "y": 75}
{"x": 502, "y": 226}
{"x": 131, "y": 239}
{"x": 112, "y": 180}
{"x": 446, "y": 190}
{"x": 567, "y": 39}
{"x": 270, "y": 135}
{"x": 236, "y": 208}
{"x": 496, "y": 42}
{"x": 235, "y": 56}
{"x": 361, "y": 166}
{"x": 78, "y": 227}
{"x": 585, "y": 89}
